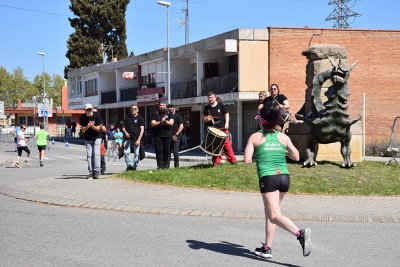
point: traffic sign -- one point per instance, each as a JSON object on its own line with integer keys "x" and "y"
{"x": 43, "y": 113}
{"x": 45, "y": 110}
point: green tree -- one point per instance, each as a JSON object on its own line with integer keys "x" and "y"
{"x": 97, "y": 22}
{"x": 52, "y": 85}
{"x": 14, "y": 86}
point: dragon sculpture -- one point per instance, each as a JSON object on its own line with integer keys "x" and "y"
{"x": 330, "y": 122}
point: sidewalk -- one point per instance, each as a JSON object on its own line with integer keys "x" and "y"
{"x": 121, "y": 195}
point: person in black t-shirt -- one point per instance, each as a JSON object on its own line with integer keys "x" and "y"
{"x": 91, "y": 123}
{"x": 162, "y": 122}
{"x": 216, "y": 115}
{"x": 133, "y": 130}
{"x": 176, "y": 135}
{"x": 275, "y": 100}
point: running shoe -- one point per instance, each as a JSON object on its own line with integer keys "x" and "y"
{"x": 27, "y": 163}
{"x": 41, "y": 163}
{"x": 17, "y": 165}
{"x": 305, "y": 241}
{"x": 263, "y": 253}
{"x": 90, "y": 176}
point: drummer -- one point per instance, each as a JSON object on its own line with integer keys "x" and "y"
{"x": 275, "y": 100}
{"x": 216, "y": 115}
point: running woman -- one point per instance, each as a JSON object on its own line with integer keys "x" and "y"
{"x": 271, "y": 148}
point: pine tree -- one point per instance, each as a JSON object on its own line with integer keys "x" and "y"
{"x": 97, "y": 22}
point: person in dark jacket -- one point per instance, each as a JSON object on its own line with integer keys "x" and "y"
{"x": 162, "y": 122}
{"x": 133, "y": 129}
{"x": 91, "y": 123}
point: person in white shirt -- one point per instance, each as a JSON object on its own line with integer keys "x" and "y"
{"x": 21, "y": 146}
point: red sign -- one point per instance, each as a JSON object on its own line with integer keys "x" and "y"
{"x": 129, "y": 75}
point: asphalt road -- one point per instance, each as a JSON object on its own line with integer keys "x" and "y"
{"x": 35, "y": 234}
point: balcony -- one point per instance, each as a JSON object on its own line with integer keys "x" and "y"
{"x": 128, "y": 93}
{"x": 221, "y": 84}
{"x": 183, "y": 90}
{"x": 108, "y": 97}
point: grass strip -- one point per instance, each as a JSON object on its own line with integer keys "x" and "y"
{"x": 328, "y": 178}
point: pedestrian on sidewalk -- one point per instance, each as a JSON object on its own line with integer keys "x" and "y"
{"x": 271, "y": 148}
{"x": 91, "y": 123}
{"x": 162, "y": 122}
{"x": 73, "y": 128}
{"x": 103, "y": 150}
{"x": 176, "y": 135}
{"x": 133, "y": 129}
{"x": 41, "y": 138}
{"x": 69, "y": 129}
{"x": 21, "y": 146}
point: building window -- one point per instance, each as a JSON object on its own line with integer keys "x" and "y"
{"x": 76, "y": 86}
{"x": 91, "y": 86}
{"x": 149, "y": 80}
{"x": 22, "y": 120}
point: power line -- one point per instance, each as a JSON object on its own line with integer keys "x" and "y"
{"x": 342, "y": 13}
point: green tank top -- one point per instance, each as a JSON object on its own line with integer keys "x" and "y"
{"x": 41, "y": 138}
{"x": 271, "y": 156}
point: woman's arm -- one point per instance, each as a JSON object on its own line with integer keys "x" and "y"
{"x": 248, "y": 152}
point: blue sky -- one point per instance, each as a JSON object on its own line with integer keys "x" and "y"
{"x": 31, "y": 26}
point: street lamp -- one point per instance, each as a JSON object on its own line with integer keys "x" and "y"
{"x": 34, "y": 114}
{"x": 167, "y": 4}
{"x": 44, "y": 90}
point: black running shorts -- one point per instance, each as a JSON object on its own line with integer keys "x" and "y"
{"x": 40, "y": 148}
{"x": 271, "y": 183}
{"x": 24, "y": 148}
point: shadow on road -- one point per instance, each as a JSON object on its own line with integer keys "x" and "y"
{"x": 231, "y": 249}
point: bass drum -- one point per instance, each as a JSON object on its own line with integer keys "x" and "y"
{"x": 213, "y": 142}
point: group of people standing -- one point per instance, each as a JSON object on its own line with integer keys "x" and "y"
{"x": 268, "y": 144}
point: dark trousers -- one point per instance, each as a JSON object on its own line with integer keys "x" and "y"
{"x": 162, "y": 147}
{"x": 175, "y": 151}
{"x": 103, "y": 163}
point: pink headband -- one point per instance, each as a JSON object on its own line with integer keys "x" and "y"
{"x": 258, "y": 117}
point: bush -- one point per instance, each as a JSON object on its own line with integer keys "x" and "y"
{"x": 378, "y": 148}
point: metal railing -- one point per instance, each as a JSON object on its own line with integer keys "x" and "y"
{"x": 183, "y": 90}
{"x": 220, "y": 84}
{"x": 108, "y": 97}
{"x": 128, "y": 93}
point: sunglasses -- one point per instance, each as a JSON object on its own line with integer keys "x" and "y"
{"x": 134, "y": 109}
{"x": 273, "y": 89}
{"x": 89, "y": 109}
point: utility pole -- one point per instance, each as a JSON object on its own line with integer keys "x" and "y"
{"x": 342, "y": 13}
{"x": 186, "y": 21}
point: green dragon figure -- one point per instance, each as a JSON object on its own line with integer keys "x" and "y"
{"x": 330, "y": 122}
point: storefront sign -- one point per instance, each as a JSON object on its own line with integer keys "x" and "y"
{"x": 129, "y": 75}
{"x": 147, "y": 98}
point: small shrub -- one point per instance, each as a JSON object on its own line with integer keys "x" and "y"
{"x": 378, "y": 148}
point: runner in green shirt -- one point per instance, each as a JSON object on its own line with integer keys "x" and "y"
{"x": 41, "y": 138}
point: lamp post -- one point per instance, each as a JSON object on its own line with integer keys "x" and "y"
{"x": 167, "y": 4}
{"x": 44, "y": 90}
{"x": 34, "y": 114}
